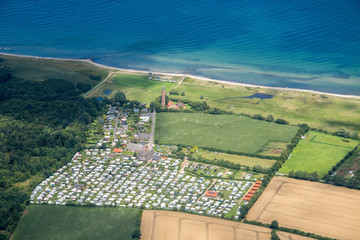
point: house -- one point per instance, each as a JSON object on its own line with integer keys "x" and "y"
{"x": 145, "y": 136}
{"x": 211, "y": 194}
{"x": 176, "y": 106}
{"x": 145, "y": 117}
{"x": 146, "y": 155}
{"x": 135, "y": 147}
{"x": 117, "y": 150}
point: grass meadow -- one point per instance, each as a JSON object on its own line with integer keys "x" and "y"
{"x": 49, "y": 222}
{"x": 242, "y": 160}
{"x": 42, "y": 69}
{"x": 135, "y": 86}
{"x": 317, "y": 110}
{"x": 318, "y": 152}
{"x": 226, "y": 132}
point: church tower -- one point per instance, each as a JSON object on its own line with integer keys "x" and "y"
{"x": 163, "y": 99}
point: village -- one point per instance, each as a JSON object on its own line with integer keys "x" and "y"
{"x": 121, "y": 169}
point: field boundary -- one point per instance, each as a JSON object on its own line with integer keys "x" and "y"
{"x": 330, "y": 144}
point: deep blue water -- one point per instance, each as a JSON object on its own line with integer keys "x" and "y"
{"x": 310, "y": 44}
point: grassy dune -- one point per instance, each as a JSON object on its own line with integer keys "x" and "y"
{"x": 318, "y": 111}
{"x": 226, "y": 132}
{"x": 60, "y": 222}
{"x": 42, "y": 69}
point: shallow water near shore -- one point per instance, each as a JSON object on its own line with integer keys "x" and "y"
{"x": 307, "y": 45}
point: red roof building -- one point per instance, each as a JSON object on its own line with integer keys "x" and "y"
{"x": 211, "y": 194}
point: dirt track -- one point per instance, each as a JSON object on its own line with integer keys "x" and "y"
{"x": 163, "y": 225}
{"x": 311, "y": 207}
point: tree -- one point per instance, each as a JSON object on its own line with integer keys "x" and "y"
{"x": 281, "y": 121}
{"x": 120, "y": 98}
{"x": 274, "y": 224}
{"x": 354, "y": 135}
{"x": 136, "y": 234}
{"x": 269, "y": 118}
{"x": 183, "y": 93}
{"x": 274, "y": 236}
{"x": 258, "y": 117}
{"x": 314, "y": 176}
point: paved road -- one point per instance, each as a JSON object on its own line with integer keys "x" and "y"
{"x": 151, "y": 140}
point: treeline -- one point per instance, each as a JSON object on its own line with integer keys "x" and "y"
{"x": 338, "y": 180}
{"x": 313, "y": 176}
{"x": 42, "y": 125}
{"x": 289, "y": 230}
{"x": 341, "y": 132}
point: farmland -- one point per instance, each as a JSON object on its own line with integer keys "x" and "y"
{"x": 226, "y": 132}
{"x": 161, "y": 225}
{"x": 311, "y": 207}
{"x": 242, "y": 160}
{"x": 318, "y": 152}
{"x": 61, "y": 222}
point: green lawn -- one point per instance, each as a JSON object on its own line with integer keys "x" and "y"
{"x": 47, "y": 222}
{"x": 136, "y": 87}
{"x": 318, "y": 152}
{"x": 226, "y": 132}
{"x": 242, "y": 160}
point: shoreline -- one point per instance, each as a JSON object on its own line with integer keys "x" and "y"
{"x": 201, "y": 78}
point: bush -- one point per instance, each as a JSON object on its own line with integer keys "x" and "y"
{"x": 274, "y": 224}
{"x": 281, "y": 121}
{"x": 136, "y": 234}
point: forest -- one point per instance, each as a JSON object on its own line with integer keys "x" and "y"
{"x": 42, "y": 125}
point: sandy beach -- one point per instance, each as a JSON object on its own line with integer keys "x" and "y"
{"x": 90, "y": 61}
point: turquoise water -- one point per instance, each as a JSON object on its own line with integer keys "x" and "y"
{"x": 297, "y": 44}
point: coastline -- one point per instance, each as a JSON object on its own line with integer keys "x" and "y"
{"x": 201, "y": 78}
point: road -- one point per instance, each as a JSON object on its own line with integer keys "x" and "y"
{"x": 116, "y": 123}
{"x": 151, "y": 140}
{"x": 94, "y": 89}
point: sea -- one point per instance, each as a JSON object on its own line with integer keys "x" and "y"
{"x": 308, "y": 44}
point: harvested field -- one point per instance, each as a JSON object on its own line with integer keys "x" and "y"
{"x": 163, "y": 225}
{"x": 311, "y": 207}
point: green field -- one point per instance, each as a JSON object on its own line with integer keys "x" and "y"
{"x": 136, "y": 87}
{"x": 318, "y": 152}
{"x": 47, "y": 222}
{"x": 317, "y": 110}
{"x": 242, "y": 160}
{"x": 42, "y": 69}
{"x": 226, "y": 132}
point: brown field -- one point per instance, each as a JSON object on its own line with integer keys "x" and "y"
{"x": 311, "y": 207}
{"x": 163, "y": 225}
